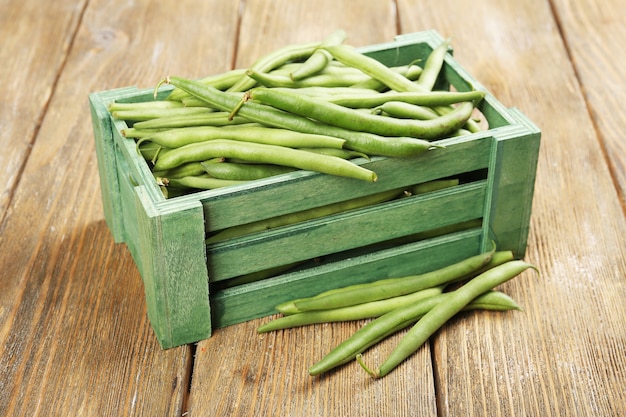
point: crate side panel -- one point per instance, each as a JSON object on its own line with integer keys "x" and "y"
{"x": 107, "y": 166}
{"x": 130, "y": 210}
{"x": 174, "y": 271}
{"x": 259, "y": 299}
{"x": 515, "y": 172}
{"x": 274, "y": 197}
{"x": 354, "y": 229}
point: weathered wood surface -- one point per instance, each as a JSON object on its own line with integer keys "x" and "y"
{"x": 74, "y": 336}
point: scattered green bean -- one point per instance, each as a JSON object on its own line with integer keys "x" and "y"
{"x": 441, "y": 313}
{"x": 398, "y": 319}
{"x": 393, "y": 287}
{"x": 356, "y": 312}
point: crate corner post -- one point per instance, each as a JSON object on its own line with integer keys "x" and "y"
{"x": 107, "y": 164}
{"x": 174, "y": 271}
{"x": 515, "y": 172}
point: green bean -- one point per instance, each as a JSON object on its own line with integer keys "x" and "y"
{"x": 350, "y": 119}
{"x": 433, "y": 65}
{"x": 133, "y": 133}
{"x": 269, "y": 154}
{"x": 398, "y": 319}
{"x": 176, "y": 138}
{"x": 393, "y": 287}
{"x": 304, "y": 215}
{"x": 149, "y": 151}
{"x": 244, "y": 172}
{"x": 221, "y": 81}
{"x": 441, "y": 313}
{"x": 431, "y": 99}
{"x": 403, "y": 110}
{"x": 201, "y": 182}
{"x": 411, "y": 72}
{"x": 351, "y": 57}
{"x": 329, "y": 92}
{"x": 368, "y": 143}
{"x": 340, "y": 153}
{"x": 219, "y": 118}
{"x": 190, "y": 169}
{"x": 290, "y": 307}
{"x": 320, "y": 80}
{"x": 274, "y": 60}
{"x": 320, "y": 58}
{"x": 144, "y": 105}
{"x": 147, "y": 114}
{"x": 357, "y": 312}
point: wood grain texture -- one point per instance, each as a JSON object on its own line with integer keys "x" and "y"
{"x": 74, "y": 335}
{"x": 269, "y": 25}
{"x": 592, "y": 32}
{"x": 269, "y": 376}
{"x": 35, "y": 43}
{"x": 552, "y": 359}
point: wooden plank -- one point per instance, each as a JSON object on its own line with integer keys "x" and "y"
{"x": 593, "y": 35}
{"x": 35, "y": 42}
{"x": 354, "y": 229}
{"x": 74, "y": 334}
{"x": 266, "y": 375}
{"x": 559, "y": 357}
{"x": 244, "y": 302}
{"x": 172, "y": 259}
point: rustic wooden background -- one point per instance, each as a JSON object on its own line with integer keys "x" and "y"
{"x": 74, "y": 336}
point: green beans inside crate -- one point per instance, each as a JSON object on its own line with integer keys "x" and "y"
{"x": 193, "y": 287}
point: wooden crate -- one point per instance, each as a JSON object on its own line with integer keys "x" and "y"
{"x": 191, "y": 288}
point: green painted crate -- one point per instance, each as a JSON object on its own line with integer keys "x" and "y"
{"x": 191, "y": 288}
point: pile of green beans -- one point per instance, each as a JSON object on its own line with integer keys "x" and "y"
{"x": 424, "y": 303}
{"x": 321, "y": 106}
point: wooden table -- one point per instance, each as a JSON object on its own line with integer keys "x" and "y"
{"x": 74, "y": 335}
